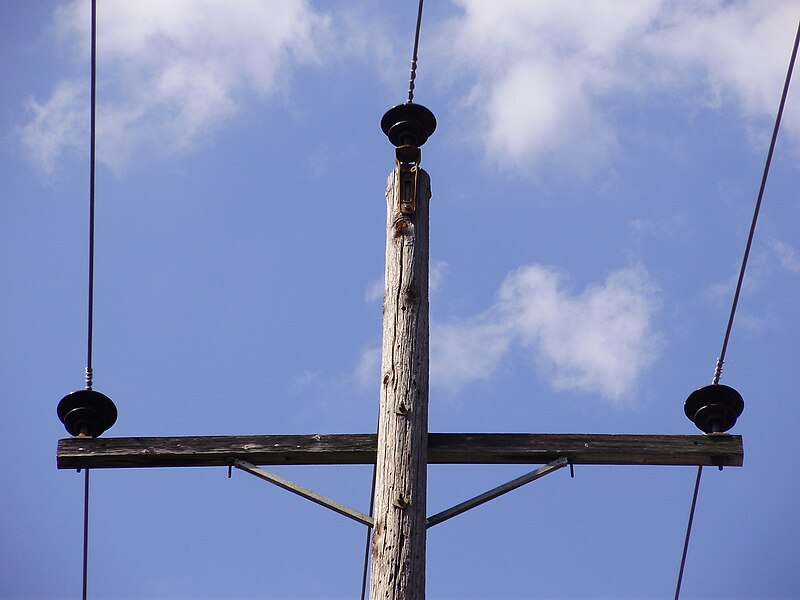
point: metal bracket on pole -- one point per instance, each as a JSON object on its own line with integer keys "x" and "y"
{"x": 304, "y": 492}
{"x": 498, "y": 491}
{"x": 408, "y": 159}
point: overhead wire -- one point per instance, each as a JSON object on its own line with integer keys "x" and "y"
{"x": 85, "y": 534}
{"x": 369, "y": 536}
{"x": 688, "y": 532}
{"x": 91, "y": 261}
{"x": 90, "y": 315}
{"x": 92, "y": 103}
{"x": 756, "y": 211}
{"x": 740, "y": 280}
{"x": 413, "y": 75}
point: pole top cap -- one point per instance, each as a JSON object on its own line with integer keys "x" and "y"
{"x": 408, "y": 124}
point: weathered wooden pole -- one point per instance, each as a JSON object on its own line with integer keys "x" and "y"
{"x": 398, "y": 541}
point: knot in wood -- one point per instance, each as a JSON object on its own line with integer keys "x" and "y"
{"x": 402, "y": 227}
{"x": 401, "y": 501}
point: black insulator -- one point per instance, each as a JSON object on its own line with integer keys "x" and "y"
{"x": 87, "y": 412}
{"x": 408, "y": 124}
{"x": 714, "y": 408}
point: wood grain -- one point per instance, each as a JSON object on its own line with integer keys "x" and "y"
{"x": 397, "y": 559}
{"x": 360, "y": 449}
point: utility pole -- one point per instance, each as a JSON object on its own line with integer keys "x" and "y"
{"x": 398, "y": 542}
{"x": 398, "y": 536}
{"x": 402, "y": 448}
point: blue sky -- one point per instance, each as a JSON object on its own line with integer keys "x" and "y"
{"x": 594, "y": 174}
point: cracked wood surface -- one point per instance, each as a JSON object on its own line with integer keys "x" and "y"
{"x": 360, "y": 449}
{"x": 398, "y": 538}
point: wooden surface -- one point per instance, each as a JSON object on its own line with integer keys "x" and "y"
{"x": 355, "y": 449}
{"x": 397, "y": 558}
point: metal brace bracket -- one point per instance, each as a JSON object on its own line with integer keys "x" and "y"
{"x": 295, "y": 488}
{"x": 408, "y": 159}
{"x": 495, "y": 492}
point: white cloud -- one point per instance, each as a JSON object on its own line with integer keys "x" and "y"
{"x": 599, "y": 341}
{"x": 540, "y": 74}
{"x": 762, "y": 263}
{"x": 306, "y": 380}
{"x": 787, "y": 256}
{"x": 751, "y": 323}
{"x": 462, "y": 353}
{"x": 368, "y": 369}
{"x": 740, "y": 48}
{"x": 527, "y": 117}
{"x": 436, "y": 275}
{"x": 171, "y": 72}
{"x": 374, "y": 291}
{"x": 55, "y": 127}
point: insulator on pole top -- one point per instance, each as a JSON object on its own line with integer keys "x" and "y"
{"x": 408, "y": 124}
{"x": 87, "y": 412}
{"x": 714, "y": 408}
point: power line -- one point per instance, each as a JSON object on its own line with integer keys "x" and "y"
{"x": 90, "y": 319}
{"x": 369, "y": 536}
{"x": 688, "y": 532}
{"x": 85, "y": 533}
{"x": 737, "y": 293}
{"x": 92, "y": 102}
{"x": 413, "y": 75}
{"x": 721, "y": 359}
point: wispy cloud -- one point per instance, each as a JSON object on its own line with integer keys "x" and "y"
{"x": 599, "y": 341}
{"x": 367, "y": 371}
{"x": 788, "y": 257}
{"x": 374, "y": 291}
{"x": 56, "y": 126}
{"x": 539, "y": 74}
{"x": 436, "y": 275}
{"x": 171, "y": 72}
{"x": 764, "y": 260}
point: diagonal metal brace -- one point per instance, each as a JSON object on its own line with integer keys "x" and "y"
{"x": 495, "y": 492}
{"x": 295, "y": 488}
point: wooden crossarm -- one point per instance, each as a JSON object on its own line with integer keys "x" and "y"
{"x": 443, "y": 448}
